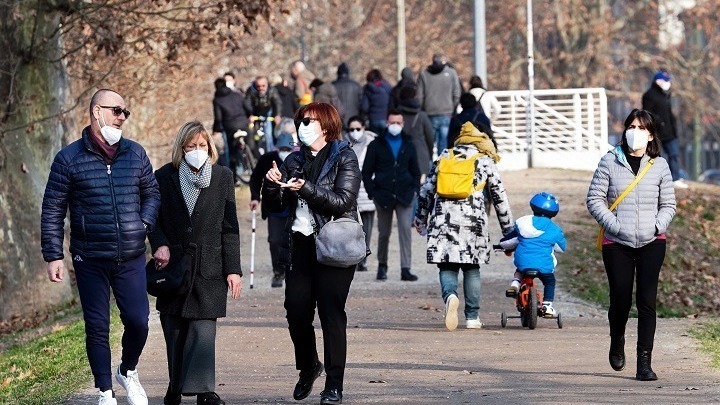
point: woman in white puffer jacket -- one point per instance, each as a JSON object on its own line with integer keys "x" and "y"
{"x": 634, "y": 243}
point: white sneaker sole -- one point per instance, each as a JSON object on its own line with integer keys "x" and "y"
{"x": 451, "y": 314}
{"x": 474, "y": 326}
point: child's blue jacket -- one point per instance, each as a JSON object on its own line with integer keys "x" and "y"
{"x": 535, "y": 239}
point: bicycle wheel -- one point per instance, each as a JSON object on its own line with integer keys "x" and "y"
{"x": 533, "y": 309}
{"x": 247, "y": 165}
{"x": 503, "y": 320}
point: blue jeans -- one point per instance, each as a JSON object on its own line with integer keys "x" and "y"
{"x": 128, "y": 282}
{"x": 224, "y": 157}
{"x": 672, "y": 155}
{"x": 441, "y": 124}
{"x": 269, "y": 138}
{"x": 548, "y": 280}
{"x": 471, "y": 285}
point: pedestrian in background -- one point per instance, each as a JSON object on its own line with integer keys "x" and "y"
{"x": 458, "y": 231}
{"x": 438, "y": 89}
{"x": 634, "y": 242}
{"x": 375, "y": 101}
{"x": 360, "y": 139}
{"x": 231, "y": 112}
{"x": 658, "y": 101}
{"x": 407, "y": 79}
{"x": 320, "y": 182}
{"x": 349, "y": 92}
{"x": 197, "y": 206}
{"x": 107, "y": 183}
{"x": 392, "y": 177}
{"x": 420, "y": 129}
{"x": 277, "y": 237}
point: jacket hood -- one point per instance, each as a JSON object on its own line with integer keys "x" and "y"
{"x": 343, "y": 70}
{"x": 407, "y": 76}
{"x": 531, "y": 226}
{"x": 377, "y": 87}
{"x": 436, "y": 68}
{"x": 409, "y": 106}
{"x": 222, "y": 92}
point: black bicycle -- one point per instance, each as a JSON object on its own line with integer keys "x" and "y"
{"x": 246, "y": 160}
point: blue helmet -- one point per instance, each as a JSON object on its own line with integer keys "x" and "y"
{"x": 544, "y": 204}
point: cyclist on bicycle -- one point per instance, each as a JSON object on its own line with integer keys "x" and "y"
{"x": 535, "y": 240}
{"x": 265, "y": 102}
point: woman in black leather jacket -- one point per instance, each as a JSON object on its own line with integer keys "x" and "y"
{"x": 317, "y": 183}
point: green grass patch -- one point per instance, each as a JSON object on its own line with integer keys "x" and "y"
{"x": 49, "y": 368}
{"x": 709, "y": 337}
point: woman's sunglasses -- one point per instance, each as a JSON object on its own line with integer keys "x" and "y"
{"x": 117, "y": 110}
{"x": 354, "y": 129}
{"x": 306, "y": 121}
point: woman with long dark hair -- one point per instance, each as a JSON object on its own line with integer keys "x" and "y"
{"x": 634, "y": 242}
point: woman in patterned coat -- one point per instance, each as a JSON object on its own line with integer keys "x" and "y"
{"x": 457, "y": 229}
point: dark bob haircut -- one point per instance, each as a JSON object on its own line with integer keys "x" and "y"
{"x": 648, "y": 121}
{"x": 326, "y": 115}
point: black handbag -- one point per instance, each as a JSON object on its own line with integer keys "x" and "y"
{"x": 173, "y": 279}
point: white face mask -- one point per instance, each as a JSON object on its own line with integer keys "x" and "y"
{"x": 356, "y": 135}
{"x": 284, "y": 154}
{"x": 395, "y": 129}
{"x": 229, "y": 84}
{"x": 196, "y": 158}
{"x": 111, "y": 134}
{"x": 637, "y": 138}
{"x": 664, "y": 85}
{"x": 307, "y": 133}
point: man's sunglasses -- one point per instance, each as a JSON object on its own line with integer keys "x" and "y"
{"x": 117, "y": 110}
{"x": 306, "y": 121}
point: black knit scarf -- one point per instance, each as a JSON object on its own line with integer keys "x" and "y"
{"x": 314, "y": 164}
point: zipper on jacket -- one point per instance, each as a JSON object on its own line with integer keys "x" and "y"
{"x": 115, "y": 213}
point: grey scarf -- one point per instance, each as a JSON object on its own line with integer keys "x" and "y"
{"x": 191, "y": 183}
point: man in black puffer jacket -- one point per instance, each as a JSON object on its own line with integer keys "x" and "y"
{"x": 108, "y": 184}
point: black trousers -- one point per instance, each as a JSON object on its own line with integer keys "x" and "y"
{"x": 623, "y": 264}
{"x": 279, "y": 245}
{"x": 190, "y": 347}
{"x": 309, "y": 284}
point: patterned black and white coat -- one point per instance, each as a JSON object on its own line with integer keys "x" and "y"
{"x": 457, "y": 230}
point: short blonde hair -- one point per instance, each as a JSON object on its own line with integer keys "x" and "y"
{"x": 186, "y": 133}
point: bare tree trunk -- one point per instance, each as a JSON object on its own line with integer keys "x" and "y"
{"x": 36, "y": 91}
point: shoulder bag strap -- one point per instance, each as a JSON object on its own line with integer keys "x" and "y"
{"x": 601, "y": 234}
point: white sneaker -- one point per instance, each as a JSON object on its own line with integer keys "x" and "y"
{"x": 451, "y": 312}
{"x": 135, "y": 392}
{"x": 107, "y": 398}
{"x": 473, "y": 323}
{"x": 548, "y": 309}
{"x": 679, "y": 183}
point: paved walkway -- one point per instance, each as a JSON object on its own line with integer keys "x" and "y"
{"x": 400, "y": 352}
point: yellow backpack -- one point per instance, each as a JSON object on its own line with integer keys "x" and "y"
{"x": 456, "y": 176}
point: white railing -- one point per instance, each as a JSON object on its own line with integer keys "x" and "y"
{"x": 571, "y": 128}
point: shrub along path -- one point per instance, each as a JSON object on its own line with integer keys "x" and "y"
{"x": 400, "y": 352}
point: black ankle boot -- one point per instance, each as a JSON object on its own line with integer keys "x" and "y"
{"x": 405, "y": 275}
{"x": 617, "y": 352}
{"x": 644, "y": 371}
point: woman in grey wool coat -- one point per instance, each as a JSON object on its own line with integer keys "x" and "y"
{"x": 197, "y": 204}
{"x": 634, "y": 242}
